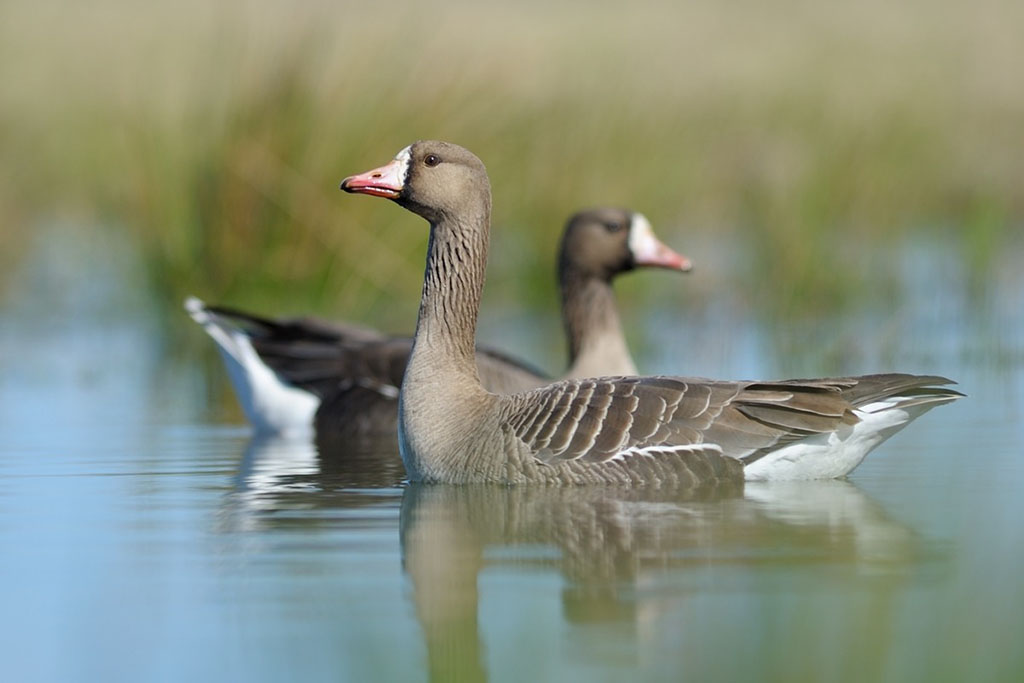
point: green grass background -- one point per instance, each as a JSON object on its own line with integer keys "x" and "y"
{"x": 212, "y": 136}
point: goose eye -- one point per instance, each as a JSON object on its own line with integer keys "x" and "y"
{"x": 613, "y": 227}
{"x": 432, "y": 160}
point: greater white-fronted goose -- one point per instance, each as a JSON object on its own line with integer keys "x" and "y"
{"x": 293, "y": 375}
{"x": 605, "y": 430}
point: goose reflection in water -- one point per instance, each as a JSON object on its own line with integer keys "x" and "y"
{"x": 623, "y": 553}
{"x": 629, "y": 562}
{"x": 334, "y": 471}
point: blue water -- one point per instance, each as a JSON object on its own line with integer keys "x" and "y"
{"x": 144, "y": 537}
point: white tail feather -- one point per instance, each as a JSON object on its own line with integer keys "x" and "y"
{"x": 270, "y": 405}
{"x": 836, "y": 454}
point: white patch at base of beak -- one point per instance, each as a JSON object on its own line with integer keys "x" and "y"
{"x": 405, "y": 158}
{"x": 648, "y": 250}
{"x": 642, "y": 242}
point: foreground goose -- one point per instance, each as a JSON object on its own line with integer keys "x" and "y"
{"x": 293, "y": 375}
{"x": 636, "y": 430}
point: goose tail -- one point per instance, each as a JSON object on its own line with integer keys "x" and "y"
{"x": 271, "y": 405}
{"x": 881, "y": 405}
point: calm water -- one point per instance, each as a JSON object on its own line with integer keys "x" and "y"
{"x": 144, "y": 537}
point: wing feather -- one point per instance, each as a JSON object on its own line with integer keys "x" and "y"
{"x": 611, "y": 419}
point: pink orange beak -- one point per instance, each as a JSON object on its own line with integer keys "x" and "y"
{"x": 386, "y": 181}
{"x": 648, "y": 250}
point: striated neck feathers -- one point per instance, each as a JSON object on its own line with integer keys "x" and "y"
{"x": 452, "y": 287}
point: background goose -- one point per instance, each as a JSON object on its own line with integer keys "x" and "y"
{"x": 669, "y": 430}
{"x": 295, "y": 374}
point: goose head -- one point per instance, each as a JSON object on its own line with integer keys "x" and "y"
{"x": 601, "y": 243}
{"x": 433, "y": 179}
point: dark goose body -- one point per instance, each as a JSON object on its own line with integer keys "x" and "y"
{"x": 297, "y": 374}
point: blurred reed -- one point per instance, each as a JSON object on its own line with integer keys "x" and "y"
{"x": 213, "y": 135}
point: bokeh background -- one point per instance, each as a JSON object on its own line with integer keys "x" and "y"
{"x": 771, "y": 141}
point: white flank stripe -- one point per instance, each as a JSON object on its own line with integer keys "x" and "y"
{"x": 655, "y": 451}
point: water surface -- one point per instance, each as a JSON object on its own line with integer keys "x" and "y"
{"x": 144, "y": 536}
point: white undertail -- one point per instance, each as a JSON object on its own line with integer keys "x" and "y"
{"x": 836, "y": 454}
{"x": 272, "y": 406}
